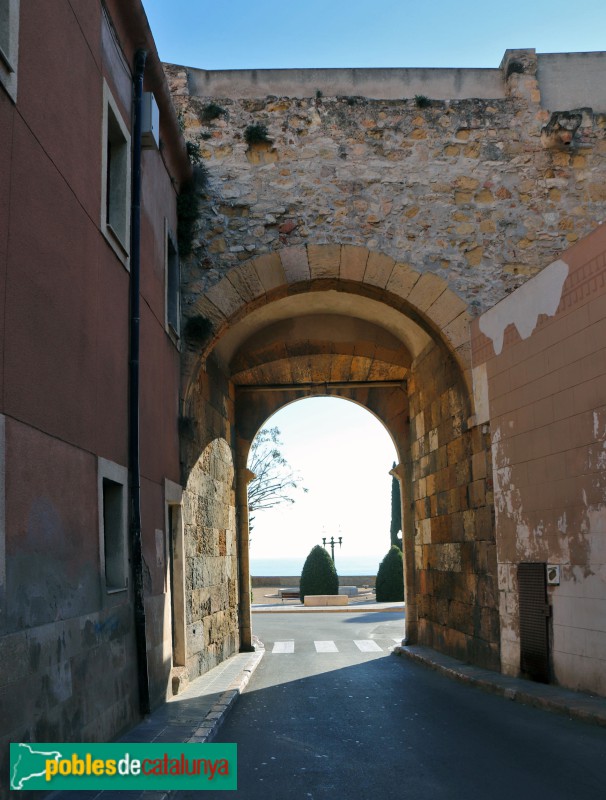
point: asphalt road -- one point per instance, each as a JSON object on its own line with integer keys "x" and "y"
{"x": 350, "y": 723}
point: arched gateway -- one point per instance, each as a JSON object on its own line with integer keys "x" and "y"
{"x": 344, "y": 321}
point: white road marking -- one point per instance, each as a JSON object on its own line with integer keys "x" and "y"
{"x": 284, "y": 647}
{"x": 398, "y": 639}
{"x": 367, "y": 645}
{"x": 326, "y": 647}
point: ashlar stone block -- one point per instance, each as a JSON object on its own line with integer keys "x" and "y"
{"x": 353, "y": 262}
{"x": 402, "y": 280}
{"x": 426, "y": 291}
{"x": 246, "y": 282}
{"x": 295, "y": 264}
{"x": 446, "y": 308}
{"x": 324, "y": 260}
{"x": 378, "y": 269}
{"x": 225, "y": 297}
{"x": 458, "y": 331}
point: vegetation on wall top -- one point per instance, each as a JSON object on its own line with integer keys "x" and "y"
{"x": 256, "y": 134}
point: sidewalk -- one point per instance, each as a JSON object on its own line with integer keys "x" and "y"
{"x": 194, "y": 715}
{"x": 577, "y": 705}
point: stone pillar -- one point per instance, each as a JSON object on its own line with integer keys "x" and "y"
{"x": 243, "y": 477}
{"x": 403, "y": 473}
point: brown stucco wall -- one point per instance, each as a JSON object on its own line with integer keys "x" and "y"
{"x": 542, "y": 359}
{"x": 67, "y": 650}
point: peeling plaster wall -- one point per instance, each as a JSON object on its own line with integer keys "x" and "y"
{"x": 545, "y": 357}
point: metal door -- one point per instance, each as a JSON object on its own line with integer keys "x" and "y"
{"x": 534, "y": 615}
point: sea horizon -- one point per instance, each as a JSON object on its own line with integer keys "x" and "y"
{"x": 345, "y": 565}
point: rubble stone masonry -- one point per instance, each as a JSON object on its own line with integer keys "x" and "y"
{"x": 470, "y": 189}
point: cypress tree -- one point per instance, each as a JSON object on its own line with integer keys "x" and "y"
{"x": 396, "y": 511}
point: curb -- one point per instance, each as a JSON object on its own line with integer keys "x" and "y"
{"x": 211, "y": 723}
{"x": 576, "y": 705}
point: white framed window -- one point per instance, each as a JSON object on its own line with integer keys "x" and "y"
{"x": 9, "y": 45}
{"x": 115, "y": 177}
{"x": 113, "y": 525}
{"x": 172, "y": 282}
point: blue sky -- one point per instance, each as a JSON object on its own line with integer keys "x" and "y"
{"x": 384, "y": 33}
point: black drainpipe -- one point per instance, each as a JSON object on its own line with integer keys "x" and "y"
{"x": 133, "y": 411}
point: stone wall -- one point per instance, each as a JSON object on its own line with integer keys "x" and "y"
{"x": 211, "y": 570}
{"x": 455, "y": 554}
{"x": 467, "y": 189}
{"x": 262, "y": 581}
{"x": 460, "y": 196}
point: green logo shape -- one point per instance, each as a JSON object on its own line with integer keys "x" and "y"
{"x": 122, "y": 766}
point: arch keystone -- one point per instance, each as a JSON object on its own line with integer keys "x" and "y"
{"x": 295, "y": 264}
{"x": 378, "y": 269}
{"x": 324, "y": 260}
{"x": 270, "y": 271}
{"x": 353, "y": 262}
{"x": 426, "y": 291}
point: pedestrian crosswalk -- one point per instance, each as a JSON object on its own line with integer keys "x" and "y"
{"x": 284, "y": 647}
{"x": 326, "y": 647}
{"x": 367, "y": 645}
{"x": 362, "y": 645}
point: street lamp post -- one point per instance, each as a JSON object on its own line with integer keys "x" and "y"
{"x": 332, "y": 544}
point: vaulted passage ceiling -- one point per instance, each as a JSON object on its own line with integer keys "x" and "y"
{"x": 321, "y": 337}
{"x": 320, "y": 348}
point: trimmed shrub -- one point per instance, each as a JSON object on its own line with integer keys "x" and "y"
{"x": 390, "y": 577}
{"x": 319, "y": 575}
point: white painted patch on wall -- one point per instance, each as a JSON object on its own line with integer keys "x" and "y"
{"x": 522, "y": 308}
{"x": 596, "y": 425}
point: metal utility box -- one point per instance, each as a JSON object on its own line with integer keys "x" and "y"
{"x": 150, "y": 122}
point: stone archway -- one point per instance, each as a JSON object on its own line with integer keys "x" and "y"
{"x": 353, "y": 323}
{"x": 424, "y": 297}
